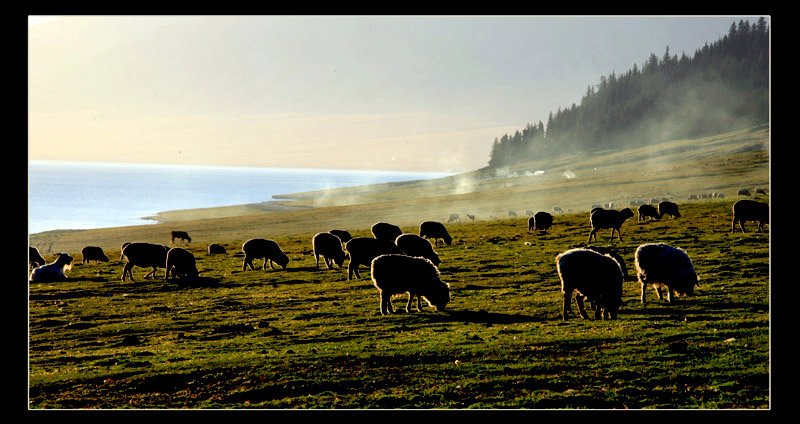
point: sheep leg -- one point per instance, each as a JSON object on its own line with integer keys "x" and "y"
{"x": 644, "y": 289}
{"x": 316, "y": 259}
{"x": 669, "y": 294}
{"x": 410, "y": 300}
{"x": 598, "y": 312}
{"x": 127, "y": 270}
{"x": 658, "y": 292}
{"x": 581, "y": 309}
{"x": 151, "y": 273}
{"x": 419, "y": 304}
{"x": 384, "y": 300}
{"x": 592, "y": 234}
{"x": 565, "y": 308}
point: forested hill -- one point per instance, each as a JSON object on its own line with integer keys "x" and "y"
{"x": 723, "y": 87}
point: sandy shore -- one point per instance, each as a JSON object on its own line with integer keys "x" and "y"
{"x": 224, "y": 211}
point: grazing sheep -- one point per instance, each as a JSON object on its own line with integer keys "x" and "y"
{"x": 216, "y": 249}
{"x": 436, "y": 231}
{"x": 34, "y": 258}
{"x": 512, "y": 213}
{"x": 647, "y": 211}
{"x": 386, "y": 231}
{"x": 750, "y": 210}
{"x": 93, "y": 253}
{"x": 654, "y": 200}
{"x": 181, "y": 263}
{"x": 362, "y": 250}
{"x": 144, "y": 255}
{"x": 660, "y": 265}
{"x": 720, "y": 196}
{"x": 53, "y": 271}
{"x": 540, "y": 221}
{"x": 453, "y": 218}
{"x": 557, "y": 209}
{"x": 593, "y": 276}
{"x": 743, "y": 192}
{"x": 668, "y": 208}
{"x": 343, "y": 235}
{"x": 183, "y": 235}
{"x": 471, "y": 217}
{"x": 329, "y": 247}
{"x": 258, "y": 248}
{"x": 692, "y": 197}
{"x": 414, "y": 245}
{"x": 760, "y": 191}
{"x": 528, "y": 212}
{"x": 419, "y": 277}
{"x": 601, "y": 218}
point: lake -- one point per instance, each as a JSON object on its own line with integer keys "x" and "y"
{"x": 85, "y": 195}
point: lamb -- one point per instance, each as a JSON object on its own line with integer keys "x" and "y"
{"x": 144, "y": 255}
{"x": 593, "y": 276}
{"x": 602, "y": 218}
{"x": 540, "y": 221}
{"x": 216, "y": 249}
{"x": 647, "y": 211}
{"x": 182, "y": 235}
{"x": 660, "y": 265}
{"x": 386, "y": 231}
{"x": 181, "y": 263}
{"x": 453, "y": 218}
{"x": 34, "y": 258}
{"x": 414, "y": 245}
{"x": 668, "y": 208}
{"x": 436, "y": 231}
{"x": 362, "y": 250}
{"x": 329, "y": 247}
{"x": 93, "y": 253}
{"x": 53, "y": 271}
{"x": 419, "y": 277}
{"x": 258, "y": 248}
{"x": 343, "y": 235}
{"x": 750, "y": 210}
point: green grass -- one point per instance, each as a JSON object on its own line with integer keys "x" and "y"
{"x": 308, "y": 338}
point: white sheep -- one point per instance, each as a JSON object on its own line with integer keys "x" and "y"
{"x": 53, "y": 271}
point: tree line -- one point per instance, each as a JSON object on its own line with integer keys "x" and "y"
{"x": 723, "y": 87}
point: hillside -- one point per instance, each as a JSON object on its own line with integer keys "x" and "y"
{"x": 722, "y": 163}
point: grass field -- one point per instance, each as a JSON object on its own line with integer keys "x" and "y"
{"x": 309, "y": 338}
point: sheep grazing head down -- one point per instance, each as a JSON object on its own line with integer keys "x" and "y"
{"x": 661, "y": 265}
{"x": 397, "y": 274}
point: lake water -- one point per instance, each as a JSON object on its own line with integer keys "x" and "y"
{"x": 84, "y": 195}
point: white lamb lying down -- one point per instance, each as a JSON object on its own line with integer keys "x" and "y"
{"x": 53, "y": 271}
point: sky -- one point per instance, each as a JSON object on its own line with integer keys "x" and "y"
{"x": 362, "y": 92}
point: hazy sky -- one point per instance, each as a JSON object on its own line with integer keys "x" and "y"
{"x": 409, "y": 93}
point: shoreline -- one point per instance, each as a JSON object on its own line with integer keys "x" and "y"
{"x": 223, "y": 211}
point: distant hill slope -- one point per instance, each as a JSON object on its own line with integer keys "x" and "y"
{"x": 722, "y": 163}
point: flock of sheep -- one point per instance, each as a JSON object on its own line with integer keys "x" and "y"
{"x": 407, "y": 263}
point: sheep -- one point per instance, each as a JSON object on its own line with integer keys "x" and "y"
{"x": 93, "y": 253}
{"x": 414, "y": 245}
{"x": 386, "y": 231}
{"x": 181, "y": 263}
{"x": 528, "y": 212}
{"x": 760, "y": 191}
{"x": 743, "y": 192}
{"x": 647, "y": 211}
{"x": 258, "y": 248}
{"x": 692, "y": 197}
{"x": 144, "y": 255}
{"x": 471, "y": 217}
{"x": 419, "y": 277}
{"x": 606, "y": 251}
{"x": 654, "y": 200}
{"x": 540, "y": 221}
{"x": 512, "y": 214}
{"x": 749, "y": 210}
{"x": 660, "y": 265}
{"x": 453, "y": 218}
{"x": 53, "y": 271}
{"x": 343, "y": 235}
{"x": 436, "y": 231}
{"x": 329, "y": 247}
{"x": 557, "y": 209}
{"x": 601, "y": 218}
{"x": 216, "y": 249}
{"x": 668, "y": 208}
{"x": 34, "y": 258}
{"x": 182, "y": 235}
{"x": 362, "y": 250}
{"x": 594, "y": 276}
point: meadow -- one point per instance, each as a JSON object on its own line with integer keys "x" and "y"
{"x": 308, "y": 338}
